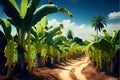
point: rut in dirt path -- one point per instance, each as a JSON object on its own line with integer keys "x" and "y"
{"x": 73, "y": 71}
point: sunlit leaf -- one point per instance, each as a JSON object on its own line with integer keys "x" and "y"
{"x": 24, "y": 6}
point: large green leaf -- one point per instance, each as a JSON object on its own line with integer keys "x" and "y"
{"x": 6, "y": 27}
{"x": 50, "y": 34}
{"x": 32, "y": 5}
{"x": 116, "y": 37}
{"x": 44, "y": 22}
{"x": 11, "y": 9}
{"x": 43, "y": 11}
{"x": 24, "y": 6}
{"x": 58, "y": 40}
{"x": 39, "y": 29}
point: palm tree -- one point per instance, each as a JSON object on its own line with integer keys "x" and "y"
{"x": 98, "y": 22}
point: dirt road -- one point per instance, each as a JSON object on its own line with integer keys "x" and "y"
{"x": 74, "y": 70}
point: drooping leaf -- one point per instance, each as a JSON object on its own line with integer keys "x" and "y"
{"x": 34, "y": 33}
{"x": 65, "y": 11}
{"x": 116, "y": 37}
{"x": 6, "y": 27}
{"x": 32, "y": 5}
{"x": 43, "y": 11}
{"x": 11, "y": 9}
{"x": 58, "y": 39}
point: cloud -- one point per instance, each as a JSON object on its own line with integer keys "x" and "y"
{"x": 53, "y": 22}
{"x": 82, "y": 31}
{"x": 114, "y": 15}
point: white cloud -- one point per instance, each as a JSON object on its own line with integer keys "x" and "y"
{"x": 53, "y": 22}
{"x": 82, "y": 31}
{"x": 114, "y": 15}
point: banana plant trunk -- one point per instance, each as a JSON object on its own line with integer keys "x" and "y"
{"x": 21, "y": 50}
{"x": 56, "y": 61}
{"x": 39, "y": 60}
{"x": 48, "y": 62}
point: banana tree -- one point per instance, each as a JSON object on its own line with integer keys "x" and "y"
{"x": 58, "y": 41}
{"x": 52, "y": 42}
{"x": 105, "y": 49}
{"x": 38, "y": 35}
{"x": 25, "y": 17}
{"x": 10, "y": 44}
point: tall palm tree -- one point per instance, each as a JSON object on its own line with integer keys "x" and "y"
{"x": 98, "y": 22}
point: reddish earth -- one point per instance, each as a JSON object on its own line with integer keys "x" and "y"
{"x": 77, "y": 69}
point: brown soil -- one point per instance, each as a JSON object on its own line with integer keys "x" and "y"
{"x": 77, "y": 69}
{"x": 91, "y": 73}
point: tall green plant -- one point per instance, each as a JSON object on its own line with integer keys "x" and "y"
{"x": 25, "y": 17}
{"x": 98, "y": 22}
{"x": 105, "y": 49}
{"x": 10, "y": 44}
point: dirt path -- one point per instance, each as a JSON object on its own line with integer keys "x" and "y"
{"x": 76, "y": 69}
{"x": 73, "y": 71}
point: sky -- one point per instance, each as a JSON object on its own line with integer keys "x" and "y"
{"x": 83, "y": 12}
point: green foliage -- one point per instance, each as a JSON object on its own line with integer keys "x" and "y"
{"x": 77, "y": 40}
{"x": 6, "y": 27}
{"x": 105, "y": 49}
{"x": 98, "y": 22}
{"x": 45, "y": 9}
{"x": 41, "y": 40}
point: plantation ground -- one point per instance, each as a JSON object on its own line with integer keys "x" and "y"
{"x": 77, "y": 69}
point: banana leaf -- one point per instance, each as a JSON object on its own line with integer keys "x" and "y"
{"x": 24, "y": 6}
{"x": 44, "y": 22}
{"x": 116, "y": 37}
{"x": 11, "y": 10}
{"x": 43, "y": 11}
{"x": 65, "y": 11}
{"x": 103, "y": 45}
{"x": 6, "y": 27}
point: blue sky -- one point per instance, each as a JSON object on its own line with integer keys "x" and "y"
{"x": 83, "y": 12}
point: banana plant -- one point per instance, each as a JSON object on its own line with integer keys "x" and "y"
{"x": 105, "y": 49}
{"x": 55, "y": 50}
{"x": 38, "y": 35}
{"x": 52, "y": 41}
{"x": 25, "y": 17}
{"x": 10, "y": 44}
